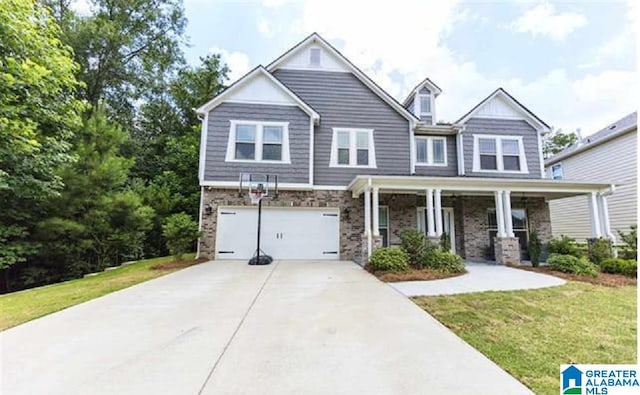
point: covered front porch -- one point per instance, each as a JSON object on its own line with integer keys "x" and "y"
{"x": 483, "y": 219}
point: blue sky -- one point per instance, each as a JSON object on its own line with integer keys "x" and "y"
{"x": 572, "y": 63}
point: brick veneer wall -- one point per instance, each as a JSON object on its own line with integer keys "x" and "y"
{"x": 351, "y": 215}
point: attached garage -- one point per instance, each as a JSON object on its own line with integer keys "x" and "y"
{"x": 287, "y": 233}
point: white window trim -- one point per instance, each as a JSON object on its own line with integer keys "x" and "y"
{"x": 430, "y": 161}
{"x": 559, "y": 164}
{"x": 231, "y": 142}
{"x": 312, "y": 65}
{"x": 353, "y": 150}
{"x": 388, "y": 226}
{"x": 524, "y": 169}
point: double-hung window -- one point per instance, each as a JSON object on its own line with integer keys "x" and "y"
{"x": 425, "y": 104}
{"x": 431, "y": 151}
{"x": 499, "y": 154}
{"x": 251, "y": 141}
{"x": 352, "y": 148}
{"x": 556, "y": 171}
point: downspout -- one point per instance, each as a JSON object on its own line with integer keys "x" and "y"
{"x": 200, "y": 221}
{"x": 460, "y": 149}
{"x": 412, "y": 148}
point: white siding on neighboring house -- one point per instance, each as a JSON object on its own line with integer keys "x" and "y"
{"x": 614, "y": 161}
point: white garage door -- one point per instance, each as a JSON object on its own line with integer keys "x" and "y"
{"x": 287, "y": 233}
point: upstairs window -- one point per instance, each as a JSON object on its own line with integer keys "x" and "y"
{"x": 251, "y": 141}
{"x": 556, "y": 171}
{"x": 425, "y": 104}
{"x": 431, "y": 151}
{"x": 352, "y": 148}
{"x": 499, "y": 154}
{"x": 315, "y": 56}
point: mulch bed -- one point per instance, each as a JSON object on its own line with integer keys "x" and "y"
{"x": 412, "y": 275}
{"x": 177, "y": 264}
{"x": 606, "y": 279}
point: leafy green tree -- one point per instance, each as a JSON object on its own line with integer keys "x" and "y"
{"x": 181, "y": 233}
{"x": 38, "y": 115}
{"x": 556, "y": 141}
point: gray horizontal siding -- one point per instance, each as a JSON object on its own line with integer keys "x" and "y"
{"x": 216, "y": 169}
{"x": 502, "y": 127}
{"x": 343, "y": 101}
{"x": 452, "y": 163}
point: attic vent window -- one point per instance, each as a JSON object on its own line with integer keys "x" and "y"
{"x": 314, "y": 56}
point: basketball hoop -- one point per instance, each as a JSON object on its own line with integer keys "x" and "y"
{"x": 256, "y": 196}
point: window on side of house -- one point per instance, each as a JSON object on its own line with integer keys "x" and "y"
{"x": 431, "y": 151}
{"x": 425, "y": 103}
{"x": 556, "y": 171}
{"x": 352, "y": 148}
{"x": 499, "y": 154}
{"x": 315, "y": 55}
{"x": 383, "y": 224}
{"x": 252, "y": 141}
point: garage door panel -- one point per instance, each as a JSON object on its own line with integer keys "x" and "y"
{"x": 287, "y": 233}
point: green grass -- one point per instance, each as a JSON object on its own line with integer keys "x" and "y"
{"x": 530, "y": 333}
{"x": 23, "y": 306}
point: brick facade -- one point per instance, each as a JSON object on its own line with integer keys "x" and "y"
{"x": 470, "y": 217}
{"x": 507, "y": 250}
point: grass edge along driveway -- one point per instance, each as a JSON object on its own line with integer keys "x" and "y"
{"x": 530, "y": 333}
{"x": 22, "y": 306}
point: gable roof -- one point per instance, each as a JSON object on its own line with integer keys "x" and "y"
{"x": 315, "y": 37}
{"x": 426, "y": 82}
{"x": 257, "y": 71}
{"x": 529, "y": 116}
{"x": 619, "y": 127}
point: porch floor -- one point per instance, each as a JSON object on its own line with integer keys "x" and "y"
{"x": 480, "y": 277}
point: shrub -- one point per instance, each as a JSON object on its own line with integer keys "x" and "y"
{"x": 181, "y": 232}
{"x": 443, "y": 261}
{"x": 627, "y": 267}
{"x": 630, "y": 248}
{"x": 600, "y": 250}
{"x": 572, "y": 264}
{"x": 535, "y": 248}
{"x": 389, "y": 258}
{"x": 445, "y": 242}
{"x": 415, "y": 244}
{"x": 564, "y": 245}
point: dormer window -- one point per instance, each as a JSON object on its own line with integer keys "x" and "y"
{"x": 314, "y": 56}
{"x": 425, "y": 104}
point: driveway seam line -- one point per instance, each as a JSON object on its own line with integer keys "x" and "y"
{"x": 235, "y": 332}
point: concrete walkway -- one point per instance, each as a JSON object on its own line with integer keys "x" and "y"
{"x": 480, "y": 277}
{"x": 228, "y": 328}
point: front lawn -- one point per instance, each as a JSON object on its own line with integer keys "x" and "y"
{"x": 530, "y": 333}
{"x": 23, "y": 306}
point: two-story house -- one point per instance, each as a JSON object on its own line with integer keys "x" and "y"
{"x": 610, "y": 154}
{"x": 356, "y": 167}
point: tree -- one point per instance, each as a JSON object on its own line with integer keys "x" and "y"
{"x": 38, "y": 116}
{"x": 556, "y": 141}
{"x": 181, "y": 233}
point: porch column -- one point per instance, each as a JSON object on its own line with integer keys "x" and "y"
{"x": 376, "y": 213}
{"x": 367, "y": 219}
{"x": 508, "y": 219}
{"x": 430, "y": 225}
{"x": 595, "y": 215}
{"x": 499, "y": 213}
{"x": 438, "y": 211}
{"x": 604, "y": 217}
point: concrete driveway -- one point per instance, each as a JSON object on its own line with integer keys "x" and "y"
{"x": 227, "y": 328}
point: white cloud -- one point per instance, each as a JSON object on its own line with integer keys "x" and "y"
{"x": 238, "y": 62}
{"x": 264, "y": 27}
{"x": 544, "y": 20}
{"x": 273, "y": 3}
{"x": 82, "y": 7}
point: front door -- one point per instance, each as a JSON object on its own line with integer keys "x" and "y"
{"x": 448, "y": 224}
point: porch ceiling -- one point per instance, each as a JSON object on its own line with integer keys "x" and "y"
{"x": 550, "y": 189}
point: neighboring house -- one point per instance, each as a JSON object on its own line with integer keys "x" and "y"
{"x": 356, "y": 167}
{"x": 610, "y": 155}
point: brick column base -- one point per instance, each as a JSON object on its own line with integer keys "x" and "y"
{"x": 507, "y": 250}
{"x": 434, "y": 240}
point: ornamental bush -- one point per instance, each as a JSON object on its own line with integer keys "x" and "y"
{"x": 630, "y": 248}
{"x": 415, "y": 244}
{"x": 535, "y": 248}
{"x": 572, "y": 264}
{"x": 181, "y": 233}
{"x": 443, "y": 261}
{"x": 389, "y": 259}
{"x": 626, "y": 267}
{"x": 600, "y": 250}
{"x": 564, "y": 245}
